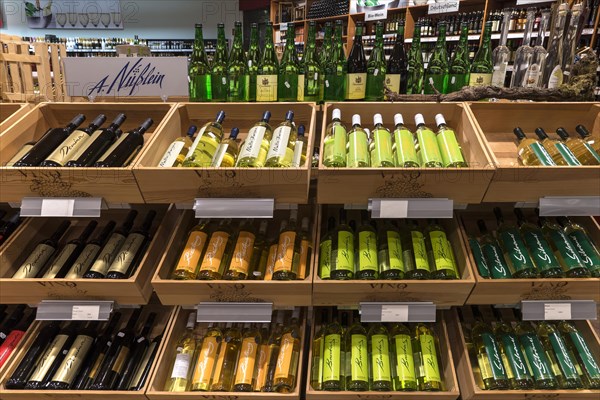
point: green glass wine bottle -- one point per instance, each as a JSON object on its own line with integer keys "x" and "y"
{"x": 313, "y": 80}
{"x": 563, "y": 249}
{"x": 452, "y": 155}
{"x": 403, "y": 364}
{"x": 342, "y": 250}
{"x": 381, "y": 147}
{"x": 268, "y": 70}
{"x": 428, "y": 149}
{"x": 482, "y": 67}
{"x": 389, "y": 251}
{"x": 254, "y": 58}
{"x": 218, "y": 75}
{"x": 536, "y": 356}
{"x": 287, "y": 82}
{"x": 356, "y": 81}
{"x": 460, "y": 65}
{"x": 376, "y": 67}
{"x": 493, "y": 254}
{"x": 199, "y": 70}
{"x": 335, "y": 142}
{"x": 425, "y": 354}
{"x": 439, "y": 252}
{"x": 336, "y": 69}
{"x": 380, "y": 378}
{"x": 564, "y": 365}
{"x": 358, "y": 146}
{"x": 584, "y": 355}
{"x": 237, "y": 69}
{"x": 480, "y": 261}
{"x": 366, "y": 249}
{"x": 436, "y": 75}
{"x": 318, "y": 350}
{"x": 416, "y": 68}
{"x": 325, "y": 254}
{"x": 325, "y": 52}
{"x": 332, "y": 356}
{"x": 357, "y": 357}
{"x": 396, "y": 77}
{"x": 405, "y": 153}
{"x": 415, "y": 252}
{"x": 586, "y": 249}
{"x": 515, "y": 251}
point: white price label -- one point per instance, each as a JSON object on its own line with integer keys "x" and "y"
{"x": 557, "y": 311}
{"x": 57, "y": 207}
{"x": 394, "y": 313}
{"x": 394, "y": 209}
{"x": 442, "y": 8}
{"x": 85, "y": 313}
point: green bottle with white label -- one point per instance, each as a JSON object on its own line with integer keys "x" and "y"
{"x": 428, "y": 149}
{"x": 513, "y": 246}
{"x": 357, "y": 357}
{"x": 342, "y": 250}
{"x": 415, "y": 252}
{"x": 480, "y": 261}
{"x": 487, "y": 351}
{"x": 427, "y": 364}
{"x": 494, "y": 257}
{"x": 563, "y": 249}
{"x": 586, "y": 249}
{"x": 530, "y": 151}
{"x": 439, "y": 252}
{"x": 358, "y": 146}
{"x": 565, "y": 366}
{"x": 403, "y": 364}
{"x": 380, "y": 377}
{"x": 389, "y": 252}
{"x": 325, "y": 253}
{"x": 335, "y": 142}
{"x": 366, "y": 249}
{"x": 536, "y": 356}
{"x": 403, "y": 149}
{"x": 332, "y": 356}
{"x": 289, "y": 68}
{"x": 381, "y": 147}
{"x": 452, "y": 155}
{"x": 560, "y": 153}
{"x": 583, "y": 354}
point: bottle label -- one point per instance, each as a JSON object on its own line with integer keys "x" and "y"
{"x": 244, "y": 248}
{"x": 345, "y": 252}
{"x": 196, "y": 142}
{"x": 216, "y": 376}
{"x": 358, "y": 149}
{"x": 34, "y": 262}
{"x": 252, "y": 144}
{"x": 127, "y": 253}
{"x": 516, "y": 250}
{"x": 540, "y": 251}
{"x": 541, "y": 154}
{"x": 395, "y": 250}
{"x": 279, "y": 143}
{"x": 441, "y": 252}
{"x": 449, "y": 147}
{"x": 493, "y": 354}
{"x": 181, "y": 366}
{"x": 556, "y": 77}
{"x": 301, "y": 80}
{"x": 359, "y": 358}
{"x": 112, "y": 148}
{"x": 266, "y": 88}
{"x": 382, "y": 152}
{"x": 205, "y": 362}
{"x": 480, "y": 261}
{"x": 585, "y": 249}
{"x": 171, "y": 154}
{"x": 567, "y": 154}
{"x": 297, "y": 160}
{"x": 566, "y": 249}
{"x": 285, "y": 251}
{"x": 335, "y": 145}
{"x": 392, "y": 81}
{"x": 325, "y": 259}
{"x": 419, "y": 250}
{"x": 587, "y": 358}
{"x": 217, "y": 159}
{"x": 264, "y": 355}
{"x": 499, "y": 74}
{"x": 271, "y": 260}
{"x": 67, "y": 148}
{"x": 284, "y": 360}
{"x": 380, "y": 358}
{"x": 532, "y": 76}
{"x": 563, "y": 356}
{"x": 214, "y": 252}
{"x": 495, "y": 260}
{"x": 405, "y": 148}
{"x": 135, "y": 382}
{"x": 108, "y": 253}
{"x": 405, "y": 369}
{"x": 480, "y": 79}
{"x": 332, "y": 358}
{"x": 536, "y": 357}
{"x": 590, "y": 149}
{"x": 83, "y": 262}
{"x": 192, "y": 252}
{"x": 516, "y": 360}
{"x": 304, "y": 248}
{"x": 72, "y": 363}
{"x": 245, "y": 367}
{"x": 367, "y": 250}
{"x": 429, "y": 149}
{"x": 430, "y": 360}
{"x": 60, "y": 260}
{"x": 48, "y": 358}
{"x": 356, "y": 86}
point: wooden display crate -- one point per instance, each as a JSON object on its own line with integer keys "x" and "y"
{"x": 166, "y": 357}
{"x": 446, "y": 365}
{"x": 10, "y": 113}
{"x": 470, "y": 390}
{"x": 513, "y": 182}
{"x": 281, "y": 293}
{"x": 162, "y": 323}
{"x": 513, "y": 291}
{"x": 358, "y": 185}
{"x": 352, "y": 292}
{"x": 115, "y": 185}
{"x": 136, "y": 289}
{"x": 182, "y": 185}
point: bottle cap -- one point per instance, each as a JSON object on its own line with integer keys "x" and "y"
{"x": 220, "y": 25}
{"x": 238, "y": 23}
{"x": 440, "y": 120}
{"x": 336, "y": 114}
{"x": 220, "y": 117}
{"x": 289, "y": 116}
{"x": 541, "y": 133}
{"x": 234, "y": 133}
{"x": 398, "y": 119}
{"x": 582, "y": 130}
{"x": 78, "y": 120}
{"x": 355, "y": 119}
{"x": 146, "y": 125}
{"x": 100, "y": 119}
{"x": 198, "y": 25}
{"x": 419, "y": 120}
{"x": 119, "y": 119}
{"x": 191, "y": 130}
{"x": 377, "y": 119}
{"x": 562, "y": 132}
{"x": 519, "y": 133}
{"x": 301, "y": 130}
{"x": 266, "y": 116}
{"x": 481, "y": 226}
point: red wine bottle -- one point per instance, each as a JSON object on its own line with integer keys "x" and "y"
{"x": 143, "y": 369}
{"x": 11, "y": 322}
{"x": 14, "y": 337}
{"x": 9, "y": 227}
{"x": 89, "y": 253}
{"x": 123, "y": 151}
{"x": 97, "y": 144}
{"x": 48, "y": 143}
{"x": 140, "y": 346}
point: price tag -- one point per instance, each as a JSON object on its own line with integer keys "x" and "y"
{"x": 85, "y": 313}
{"x": 442, "y": 8}
{"x": 394, "y": 209}
{"x": 283, "y": 26}
{"x": 57, "y": 207}
{"x": 61, "y": 207}
{"x": 376, "y": 15}
{"x": 557, "y": 311}
{"x": 394, "y": 313}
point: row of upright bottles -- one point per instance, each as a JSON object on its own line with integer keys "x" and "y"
{"x": 235, "y": 357}
{"x": 246, "y": 251}
{"x": 109, "y": 251}
{"x": 87, "y": 147}
{"x": 385, "y": 250}
{"x": 14, "y": 323}
{"x": 78, "y": 355}
{"x": 282, "y": 147}
{"x": 353, "y": 356}
{"x": 546, "y": 249}
{"x": 380, "y": 148}
{"x": 510, "y": 354}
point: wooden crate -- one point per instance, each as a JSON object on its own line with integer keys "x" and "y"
{"x": 135, "y": 290}
{"x": 513, "y": 182}
{"x": 165, "y": 363}
{"x": 178, "y": 185}
{"x": 469, "y": 390}
{"x": 10, "y": 113}
{"x": 352, "y": 292}
{"x": 449, "y": 374}
{"x": 513, "y": 291}
{"x": 358, "y": 185}
{"x": 281, "y": 293}
{"x": 115, "y": 185}
{"x": 162, "y": 323}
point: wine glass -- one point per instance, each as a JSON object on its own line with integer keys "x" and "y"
{"x": 84, "y": 19}
{"x": 72, "y": 19}
{"x": 61, "y": 19}
{"x": 94, "y": 18}
{"x": 116, "y": 17}
{"x": 105, "y": 19}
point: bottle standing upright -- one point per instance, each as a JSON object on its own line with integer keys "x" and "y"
{"x": 287, "y": 82}
{"x": 199, "y": 70}
{"x": 237, "y": 69}
{"x": 356, "y": 82}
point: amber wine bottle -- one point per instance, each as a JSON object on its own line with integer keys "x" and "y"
{"x": 288, "y": 251}
{"x": 193, "y": 252}
{"x": 287, "y": 361}
{"x": 239, "y": 266}
{"x": 206, "y": 358}
{"x": 217, "y": 254}
{"x": 244, "y": 374}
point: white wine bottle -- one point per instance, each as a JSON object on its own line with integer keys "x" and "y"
{"x": 186, "y": 346}
{"x": 281, "y": 149}
{"x": 253, "y": 151}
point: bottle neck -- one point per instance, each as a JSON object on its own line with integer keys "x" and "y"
{"x": 358, "y": 37}
{"x": 221, "y": 53}
{"x": 441, "y": 41}
{"x": 237, "y": 51}
{"x": 198, "y": 52}
{"x": 400, "y": 34}
{"x": 505, "y": 26}
{"x": 542, "y": 30}
{"x": 529, "y": 28}
{"x": 253, "y": 39}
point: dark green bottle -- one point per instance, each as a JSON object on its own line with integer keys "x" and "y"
{"x": 336, "y": 69}
{"x": 218, "y": 75}
{"x": 416, "y": 68}
{"x": 564, "y": 365}
{"x": 515, "y": 251}
{"x": 541, "y": 253}
{"x": 326, "y": 51}
{"x": 586, "y": 249}
{"x": 563, "y": 249}
{"x": 482, "y": 67}
{"x": 366, "y": 249}
{"x": 396, "y": 77}
{"x": 583, "y": 354}
{"x": 480, "y": 261}
{"x": 289, "y": 68}
{"x": 492, "y": 252}
{"x": 253, "y": 61}
{"x": 460, "y": 64}
{"x": 436, "y": 74}
{"x": 268, "y": 70}
{"x": 312, "y": 80}
{"x": 356, "y": 81}
{"x": 199, "y": 70}
{"x": 237, "y": 69}
{"x": 488, "y": 354}
{"x": 536, "y": 356}
{"x": 376, "y": 67}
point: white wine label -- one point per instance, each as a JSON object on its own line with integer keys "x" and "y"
{"x": 532, "y": 76}
{"x": 196, "y": 142}
{"x": 126, "y": 255}
{"x": 62, "y": 153}
{"x": 218, "y": 157}
{"x": 83, "y": 262}
{"x": 297, "y": 153}
{"x": 356, "y": 86}
{"x": 266, "y": 88}
{"x": 287, "y": 84}
{"x": 556, "y": 78}
{"x": 108, "y": 253}
{"x": 480, "y": 79}
{"x": 72, "y": 363}
{"x": 316, "y": 77}
{"x": 326, "y": 83}
{"x": 301, "y": 83}
{"x": 392, "y": 81}
{"x": 279, "y": 142}
{"x": 251, "y": 147}
{"x": 34, "y": 262}
{"x": 452, "y": 80}
{"x": 181, "y": 366}
{"x": 224, "y": 80}
{"x": 113, "y": 147}
{"x": 60, "y": 261}
{"x": 170, "y": 156}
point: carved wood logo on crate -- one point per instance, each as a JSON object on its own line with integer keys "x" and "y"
{"x": 403, "y": 185}
{"x": 396, "y": 296}
{"x": 60, "y": 290}
{"x": 232, "y": 293}
{"x": 52, "y": 184}
{"x": 547, "y": 291}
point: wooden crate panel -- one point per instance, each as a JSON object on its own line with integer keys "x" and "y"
{"x": 115, "y": 185}
{"x": 164, "y": 185}
{"x": 513, "y": 182}
{"x": 357, "y": 185}
{"x": 10, "y": 113}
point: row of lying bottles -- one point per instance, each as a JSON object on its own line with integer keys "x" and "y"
{"x": 8, "y": 225}
{"x": 385, "y": 250}
{"x": 361, "y": 148}
{"x": 88, "y": 147}
{"x": 75, "y": 356}
{"x": 349, "y": 355}
{"x": 524, "y": 250}
{"x": 285, "y": 146}
{"x": 238, "y": 358}
{"x": 520, "y": 355}
{"x": 215, "y": 251}
{"x": 13, "y": 327}
{"x": 111, "y": 253}
{"x": 565, "y": 151}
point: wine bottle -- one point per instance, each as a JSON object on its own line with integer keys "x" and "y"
{"x": 199, "y": 69}
{"x": 553, "y": 71}
{"x": 428, "y": 149}
{"x": 14, "y": 337}
{"x": 176, "y": 152}
{"x": 366, "y": 250}
{"x": 253, "y": 58}
{"x": 358, "y": 145}
{"x": 403, "y": 364}
{"x": 396, "y": 77}
{"x": 22, "y": 151}
{"x": 357, "y": 356}
{"x": 564, "y": 365}
{"x": 274, "y": 344}
{"x": 514, "y": 249}
{"x": 342, "y": 250}
{"x": 326, "y": 50}
{"x": 487, "y": 351}
{"x": 97, "y": 145}
{"x": 124, "y": 150}
{"x": 415, "y": 252}
{"x": 140, "y": 346}
{"x": 217, "y": 255}
{"x": 281, "y": 149}
{"x": 9, "y": 227}
{"x": 218, "y": 74}
{"x": 356, "y": 80}
{"x": 88, "y": 254}
{"x": 132, "y": 251}
{"x": 380, "y": 377}
{"x": 482, "y": 67}
{"x": 317, "y": 362}
{"x": 416, "y": 68}
{"x": 335, "y": 142}
{"x": 376, "y": 67}
{"x": 286, "y": 367}
{"x": 193, "y": 252}
{"x": 325, "y": 247}
{"x": 237, "y": 69}
{"x": 110, "y": 250}
{"x": 10, "y": 322}
{"x": 533, "y": 76}
{"x": 425, "y": 352}
{"x": 312, "y": 90}
{"x": 300, "y": 147}
{"x": 333, "y": 368}
{"x": 560, "y": 153}
{"x": 449, "y": 148}
{"x": 272, "y": 253}
{"x": 112, "y": 367}
{"x": 305, "y": 249}
{"x": 288, "y": 251}
{"x": 501, "y": 54}
{"x": 41, "y": 254}
{"x": 260, "y": 254}
{"x": 143, "y": 369}
{"x": 579, "y": 148}
{"x": 243, "y": 251}
{"x": 186, "y": 346}
{"x": 536, "y": 356}
{"x": 530, "y": 151}
{"x": 289, "y": 68}
{"x": 381, "y": 148}
{"x": 582, "y": 352}
{"x": 65, "y": 151}
{"x": 254, "y": 149}
{"x": 439, "y": 252}
{"x": 48, "y": 143}
{"x": 563, "y": 249}
{"x": 268, "y": 70}
{"x": 460, "y": 65}
{"x": 3, "y": 313}
{"x": 227, "y": 151}
{"x": 389, "y": 252}
{"x": 244, "y": 375}
{"x": 403, "y": 149}
{"x": 229, "y": 351}
{"x": 205, "y": 145}
{"x": 593, "y": 146}
{"x": 493, "y": 254}
{"x": 586, "y": 249}
{"x": 69, "y": 253}
{"x": 336, "y": 69}
{"x": 436, "y": 75}
{"x": 524, "y": 54}
{"x": 205, "y": 358}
